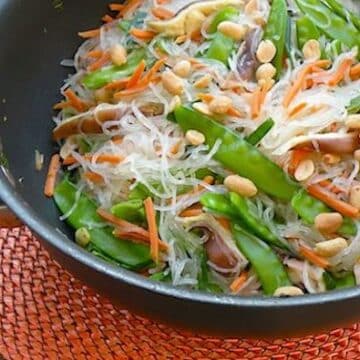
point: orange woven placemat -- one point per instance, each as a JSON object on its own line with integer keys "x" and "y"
{"x": 47, "y": 314}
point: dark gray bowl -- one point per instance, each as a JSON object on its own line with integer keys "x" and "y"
{"x": 34, "y": 37}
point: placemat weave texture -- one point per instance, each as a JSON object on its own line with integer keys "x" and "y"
{"x": 47, "y": 314}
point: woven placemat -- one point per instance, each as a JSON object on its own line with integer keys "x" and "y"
{"x": 47, "y": 314}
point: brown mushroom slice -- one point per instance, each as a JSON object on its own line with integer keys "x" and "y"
{"x": 177, "y": 25}
{"x": 333, "y": 143}
{"x": 87, "y": 124}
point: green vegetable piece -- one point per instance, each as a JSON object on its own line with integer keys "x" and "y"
{"x": 225, "y": 14}
{"x": 253, "y": 222}
{"x": 276, "y": 30}
{"x": 204, "y": 282}
{"x": 263, "y": 259}
{"x": 139, "y": 192}
{"x": 124, "y": 25}
{"x": 338, "y": 282}
{"x": 331, "y": 24}
{"x": 128, "y": 254}
{"x": 221, "y": 48}
{"x": 342, "y": 11}
{"x": 101, "y": 77}
{"x": 308, "y": 208}
{"x": 131, "y": 210}
{"x": 354, "y": 106}
{"x": 162, "y": 276}
{"x": 255, "y": 137}
{"x": 305, "y": 31}
{"x": 82, "y": 237}
{"x": 237, "y": 155}
{"x": 219, "y": 204}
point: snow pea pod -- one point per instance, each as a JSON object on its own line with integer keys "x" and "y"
{"x": 131, "y": 210}
{"x": 253, "y": 222}
{"x": 308, "y": 208}
{"x": 204, "y": 281}
{"x": 225, "y": 14}
{"x": 237, "y": 155}
{"x": 331, "y": 24}
{"x": 83, "y": 215}
{"x": 218, "y": 204}
{"x": 101, "y": 77}
{"x": 354, "y": 106}
{"x": 267, "y": 265}
{"x": 305, "y": 31}
{"x": 276, "y": 30}
{"x": 256, "y": 136}
{"x": 333, "y": 282}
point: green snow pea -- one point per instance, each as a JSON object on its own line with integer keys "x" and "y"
{"x": 218, "y": 204}
{"x": 225, "y": 14}
{"x": 338, "y": 282}
{"x": 237, "y": 155}
{"x": 305, "y": 31}
{"x": 267, "y": 265}
{"x": 162, "y": 276}
{"x": 253, "y": 222}
{"x": 276, "y": 30}
{"x": 139, "y": 192}
{"x": 256, "y": 136}
{"x": 221, "y": 48}
{"x": 101, "y": 77}
{"x": 354, "y": 106}
{"x": 204, "y": 281}
{"x": 331, "y": 24}
{"x": 131, "y": 210}
{"x": 125, "y": 253}
{"x": 308, "y": 208}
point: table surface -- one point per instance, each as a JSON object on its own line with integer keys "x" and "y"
{"x": 47, "y": 314}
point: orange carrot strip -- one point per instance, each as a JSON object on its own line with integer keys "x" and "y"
{"x": 162, "y": 13}
{"x": 296, "y": 109}
{"x": 151, "y": 220}
{"x": 181, "y": 39}
{"x": 140, "y": 34}
{"x": 297, "y": 156}
{"x": 205, "y": 97}
{"x": 99, "y": 63}
{"x": 340, "y": 72}
{"x": 191, "y": 212}
{"x": 97, "y": 53}
{"x": 225, "y": 223}
{"x": 117, "y": 139}
{"x": 236, "y": 285}
{"x": 341, "y": 206}
{"x": 163, "y": 2}
{"x": 255, "y": 103}
{"x": 89, "y": 34}
{"x": 129, "y": 92}
{"x": 117, "y": 84}
{"x": 313, "y": 257}
{"x": 74, "y": 100}
{"x": 51, "y": 175}
{"x": 107, "y": 18}
{"x": 130, "y": 7}
{"x": 152, "y": 72}
{"x": 102, "y": 158}
{"x": 61, "y": 105}
{"x": 134, "y": 79}
{"x": 196, "y": 36}
{"x": 116, "y": 7}
{"x": 137, "y": 237}
{"x": 355, "y": 72}
{"x": 233, "y": 111}
{"x": 329, "y": 185}
{"x": 93, "y": 177}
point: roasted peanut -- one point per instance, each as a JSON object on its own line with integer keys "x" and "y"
{"x": 172, "y": 83}
{"x": 182, "y": 68}
{"x": 357, "y": 155}
{"x": 331, "y": 247}
{"x": 233, "y": 30}
{"x": 353, "y": 121}
{"x": 220, "y": 105}
{"x": 354, "y": 199}
{"x": 328, "y": 222}
{"x": 286, "y": 291}
{"x": 311, "y": 50}
{"x": 240, "y": 185}
{"x": 265, "y": 71}
{"x": 266, "y": 51}
{"x": 203, "y": 82}
{"x": 331, "y": 159}
{"x": 174, "y": 103}
{"x": 195, "y": 137}
{"x": 118, "y": 55}
{"x": 203, "y": 108}
{"x": 304, "y": 170}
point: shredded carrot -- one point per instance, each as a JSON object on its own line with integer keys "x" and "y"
{"x": 145, "y": 35}
{"x": 51, "y": 175}
{"x": 117, "y": 139}
{"x": 340, "y": 73}
{"x": 107, "y": 18}
{"x": 103, "y": 158}
{"x": 191, "y": 212}
{"x": 129, "y": 92}
{"x": 162, "y": 13}
{"x": 255, "y": 103}
{"x": 100, "y": 62}
{"x": 297, "y": 156}
{"x": 355, "y": 72}
{"x": 93, "y": 177}
{"x": 236, "y": 285}
{"x": 224, "y": 222}
{"x": 96, "y": 54}
{"x": 117, "y": 84}
{"x": 181, "y": 39}
{"x": 196, "y": 36}
{"x": 205, "y": 97}
{"x": 233, "y": 111}
{"x": 130, "y": 7}
{"x": 163, "y": 2}
{"x": 149, "y": 77}
{"x": 134, "y": 79}
{"x": 329, "y": 185}
{"x": 74, "y": 100}
{"x": 296, "y": 109}
{"x": 89, "y": 34}
{"x": 116, "y": 7}
{"x": 153, "y": 232}
{"x": 61, "y": 105}
{"x": 313, "y": 257}
{"x": 341, "y": 206}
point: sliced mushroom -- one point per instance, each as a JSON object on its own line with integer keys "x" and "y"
{"x": 88, "y": 123}
{"x": 177, "y": 25}
{"x": 152, "y": 109}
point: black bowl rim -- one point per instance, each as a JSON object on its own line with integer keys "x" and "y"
{"x": 62, "y": 243}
